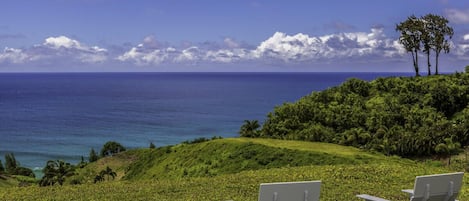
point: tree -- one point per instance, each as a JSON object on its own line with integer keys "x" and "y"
{"x": 56, "y": 172}
{"x": 410, "y": 38}
{"x": 93, "y": 156}
{"x": 102, "y": 175}
{"x": 249, "y": 128}
{"x": 2, "y": 169}
{"x": 109, "y": 172}
{"x": 152, "y": 146}
{"x": 427, "y": 39}
{"x": 10, "y": 163}
{"x": 439, "y": 34}
{"x": 111, "y": 148}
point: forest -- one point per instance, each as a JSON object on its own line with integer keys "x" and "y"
{"x": 405, "y": 116}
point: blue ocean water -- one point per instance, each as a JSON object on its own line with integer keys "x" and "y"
{"x": 48, "y": 116}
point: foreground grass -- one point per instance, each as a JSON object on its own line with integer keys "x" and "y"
{"x": 232, "y": 169}
{"x": 339, "y": 182}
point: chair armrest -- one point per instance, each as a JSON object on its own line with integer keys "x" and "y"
{"x": 370, "y": 198}
{"x": 409, "y": 191}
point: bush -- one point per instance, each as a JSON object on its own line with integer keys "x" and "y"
{"x": 111, "y": 148}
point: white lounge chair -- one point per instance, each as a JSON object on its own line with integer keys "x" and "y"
{"x": 290, "y": 191}
{"x": 437, "y": 187}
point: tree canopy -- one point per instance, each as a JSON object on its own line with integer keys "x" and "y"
{"x": 430, "y": 32}
{"x": 406, "y": 116}
{"x": 110, "y": 148}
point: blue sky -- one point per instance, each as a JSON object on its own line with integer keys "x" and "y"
{"x": 216, "y": 35}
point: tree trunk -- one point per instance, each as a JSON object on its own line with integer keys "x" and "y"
{"x": 428, "y": 63}
{"x": 416, "y": 63}
{"x": 437, "y": 54}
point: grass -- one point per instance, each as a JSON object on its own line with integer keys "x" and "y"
{"x": 339, "y": 182}
{"x": 226, "y": 156}
{"x": 344, "y": 172}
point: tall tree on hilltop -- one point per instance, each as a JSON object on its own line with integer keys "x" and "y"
{"x": 410, "y": 38}
{"x": 440, "y": 33}
{"x": 428, "y": 38}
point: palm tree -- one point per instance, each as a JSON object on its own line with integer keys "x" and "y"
{"x": 108, "y": 171}
{"x": 249, "y": 128}
{"x": 111, "y": 173}
{"x": 56, "y": 172}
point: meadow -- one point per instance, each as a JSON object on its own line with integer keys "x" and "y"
{"x": 345, "y": 172}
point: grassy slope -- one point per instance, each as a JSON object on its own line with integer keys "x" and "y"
{"x": 7, "y": 181}
{"x": 370, "y": 173}
{"x": 239, "y": 154}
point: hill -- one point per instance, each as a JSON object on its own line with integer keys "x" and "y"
{"x": 345, "y": 172}
{"x": 405, "y": 116}
{"x": 222, "y": 156}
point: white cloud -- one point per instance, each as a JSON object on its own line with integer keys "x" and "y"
{"x": 461, "y": 48}
{"x": 457, "y": 16}
{"x": 13, "y": 55}
{"x": 144, "y": 55}
{"x": 298, "y": 48}
{"x": 61, "y": 42}
{"x": 302, "y": 47}
{"x": 56, "y": 49}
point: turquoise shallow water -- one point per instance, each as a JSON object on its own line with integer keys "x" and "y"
{"x": 48, "y": 116}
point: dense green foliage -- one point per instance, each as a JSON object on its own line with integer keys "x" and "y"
{"x": 404, "y": 116}
{"x": 55, "y": 172}
{"x": 249, "y": 128}
{"x": 110, "y": 148}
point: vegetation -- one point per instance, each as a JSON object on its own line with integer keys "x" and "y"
{"x": 110, "y": 148}
{"x": 340, "y": 181}
{"x": 217, "y": 157}
{"x": 93, "y": 156}
{"x": 56, "y": 172}
{"x": 2, "y": 169}
{"x": 430, "y": 31}
{"x": 250, "y": 128}
{"x": 12, "y": 167}
{"x": 152, "y": 146}
{"x": 106, "y": 173}
{"x": 410, "y": 117}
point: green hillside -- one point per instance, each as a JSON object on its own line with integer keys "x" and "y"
{"x": 236, "y": 170}
{"x": 225, "y": 156}
{"x": 405, "y": 116}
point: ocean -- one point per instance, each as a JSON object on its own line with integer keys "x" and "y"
{"x": 49, "y": 116}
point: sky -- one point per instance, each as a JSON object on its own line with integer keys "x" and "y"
{"x": 219, "y": 35}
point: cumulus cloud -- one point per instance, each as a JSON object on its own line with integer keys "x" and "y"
{"x": 12, "y": 55}
{"x": 54, "y": 49}
{"x": 458, "y": 16}
{"x": 461, "y": 47}
{"x": 302, "y": 47}
{"x": 280, "y": 47}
